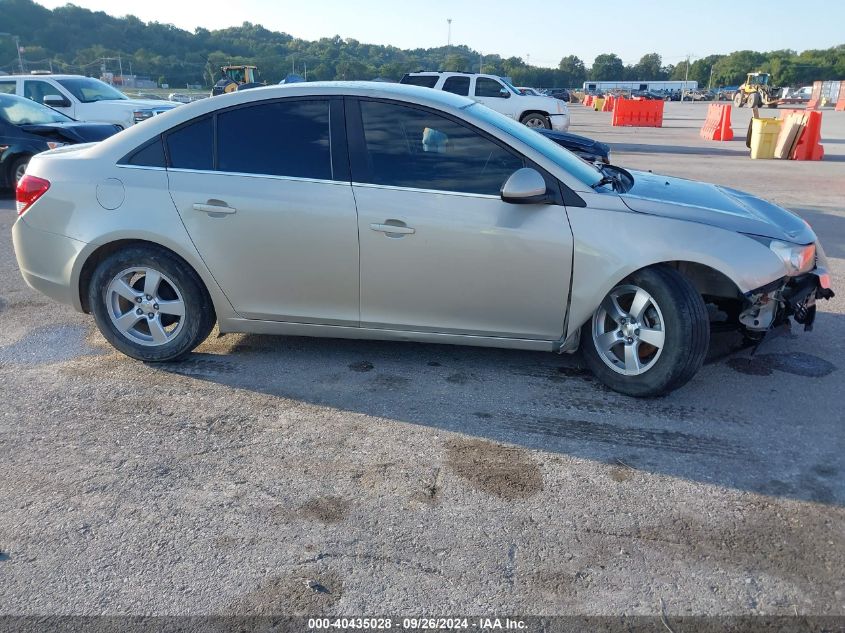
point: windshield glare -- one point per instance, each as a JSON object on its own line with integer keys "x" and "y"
{"x": 576, "y": 167}
{"x": 20, "y": 111}
{"x": 88, "y": 89}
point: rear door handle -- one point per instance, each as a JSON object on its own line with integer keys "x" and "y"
{"x": 393, "y": 228}
{"x": 214, "y": 206}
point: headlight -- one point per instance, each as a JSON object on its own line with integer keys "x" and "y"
{"x": 54, "y": 144}
{"x": 797, "y": 258}
{"x": 142, "y": 115}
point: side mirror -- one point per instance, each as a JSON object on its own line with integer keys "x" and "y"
{"x": 525, "y": 186}
{"x": 504, "y": 93}
{"x": 55, "y": 101}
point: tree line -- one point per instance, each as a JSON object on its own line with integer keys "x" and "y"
{"x": 76, "y": 40}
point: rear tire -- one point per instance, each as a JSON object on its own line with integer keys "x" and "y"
{"x": 535, "y": 119}
{"x": 650, "y": 335}
{"x": 738, "y": 99}
{"x": 753, "y": 100}
{"x": 149, "y": 304}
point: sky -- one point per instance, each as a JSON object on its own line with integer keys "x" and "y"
{"x": 539, "y": 32}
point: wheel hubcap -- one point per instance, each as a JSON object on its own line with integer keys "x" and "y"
{"x": 628, "y": 330}
{"x": 145, "y": 306}
{"x": 534, "y": 122}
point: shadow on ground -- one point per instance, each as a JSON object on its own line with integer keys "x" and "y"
{"x": 742, "y": 423}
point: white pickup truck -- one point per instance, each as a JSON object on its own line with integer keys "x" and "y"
{"x": 84, "y": 98}
{"x": 497, "y": 94}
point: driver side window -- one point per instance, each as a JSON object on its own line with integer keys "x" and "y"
{"x": 414, "y": 148}
{"x": 37, "y": 90}
{"x": 486, "y": 87}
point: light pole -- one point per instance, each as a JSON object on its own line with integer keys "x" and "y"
{"x": 449, "y": 33}
{"x": 710, "y": 83}
{"x": 686, "y": 78}
{"x": 17, "y": 49}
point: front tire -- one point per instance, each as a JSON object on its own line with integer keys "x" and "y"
{"x": 18, "y": 170}
{"x": 738, "y": 99}
{"x": 649, "y": 336}
{"x": 754, "y": 100}
{"x": 535, "y": 119}
{"x": 149, "y": 304}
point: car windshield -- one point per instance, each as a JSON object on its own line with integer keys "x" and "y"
{"x": 20, "y": 111}
{"x": 578, "y": 168}
{"x": 510, "y": 85}
{"x": 88, "y": 90}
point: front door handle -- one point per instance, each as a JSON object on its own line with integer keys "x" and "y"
{"x": 214, "y": 206}
{"x": 393, "y": 229}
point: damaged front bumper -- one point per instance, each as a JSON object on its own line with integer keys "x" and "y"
{"x": 772, "y": 305}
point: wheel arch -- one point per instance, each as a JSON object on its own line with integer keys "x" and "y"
{"x": 101, "y": 252}
{"x": 533, "y": 111}
{"x": 707, "y": 280}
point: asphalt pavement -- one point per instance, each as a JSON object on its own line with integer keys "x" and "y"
{"x": 268, "y": 475}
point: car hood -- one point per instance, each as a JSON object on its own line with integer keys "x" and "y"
{"x": 73, "y": 132}
{"x": 714, "y": 205}
{"x": 574, "y": 140}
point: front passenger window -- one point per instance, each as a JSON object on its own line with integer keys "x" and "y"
{"x": 414, "y": 148}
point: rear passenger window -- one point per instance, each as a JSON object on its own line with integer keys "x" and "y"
{"x": 426, "y": 81}
{"x": 457, "y": 85}
{"x": 149, "y": 155}
{"x": 282, "y": 138}
{"x": 191, "y": 146}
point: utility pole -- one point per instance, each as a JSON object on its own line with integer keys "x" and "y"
{"x": 686, "y": 77}
{"x": 449, "y": 33}
{"x": 18, "y": 47}
{"x": 305, "y": 64}
{"x": 120, "y": 65}
{"x": 710, "y": 83}
{"x": 527, "y": 59}
{"x": 480, "y": 63}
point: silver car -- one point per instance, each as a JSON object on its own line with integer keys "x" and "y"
{"x": 378, "y": 211}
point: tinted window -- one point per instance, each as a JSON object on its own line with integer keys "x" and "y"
{"x": 37, "y": 90}
{"x": 457, "y": 85}
{"x": 150, "y": 155}
{"x": 190, "y": 147}
{"x": 485, "y": 87}
{"x": 426, "y": 81}
{"x": 7, "y": 87}
{"x": 415, "y": 148}
{"x": 284, "y": 138}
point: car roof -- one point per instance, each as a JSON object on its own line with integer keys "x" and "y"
{"x": 40, "y": 76}
{"x": 137, "y": 134}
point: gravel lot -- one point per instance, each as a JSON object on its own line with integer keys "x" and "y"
{"x": 422, "y": 479}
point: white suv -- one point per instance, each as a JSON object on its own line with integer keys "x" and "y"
{"x": 84, "y": 98}
{"x": 499, "y": 95}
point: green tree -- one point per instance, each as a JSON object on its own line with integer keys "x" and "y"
{"x": 607, "y": 67}
{"x": 572, "y": 71}
{"x": 649, "y": 68}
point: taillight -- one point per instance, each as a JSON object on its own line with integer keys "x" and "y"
{"x": 29, "y": 189}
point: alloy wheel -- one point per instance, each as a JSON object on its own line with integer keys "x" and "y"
{"x": 628, "y": 330}
{"x": 20, "y": 170}
{"x": 145, "y": 306}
